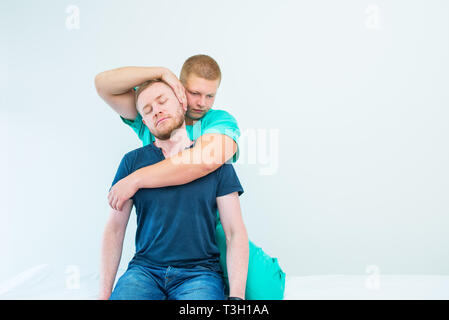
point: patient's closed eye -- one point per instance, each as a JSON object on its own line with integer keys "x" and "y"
{"x": 147, "y": 109}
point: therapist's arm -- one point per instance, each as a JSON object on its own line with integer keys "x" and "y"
{"x": 209, "y": 153}
{"x": 112, "y": 246}
{"x": 237, "y": 247}
{"x": 115, "y": 87}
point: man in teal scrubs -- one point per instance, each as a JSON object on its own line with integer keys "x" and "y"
{"x": 216, "y": 134}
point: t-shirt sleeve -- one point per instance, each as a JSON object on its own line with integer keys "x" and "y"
{"x": 124, "y": 168}
{"x": 139, "y": 128}
{"x": 223, "y": 122}
{"x": 228, "y": 182}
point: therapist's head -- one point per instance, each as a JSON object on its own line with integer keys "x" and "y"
{"x": 160, "y": 109}
{"x": 201, "y": 77}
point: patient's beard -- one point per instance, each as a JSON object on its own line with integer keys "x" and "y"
{"x": 177, "y": 121}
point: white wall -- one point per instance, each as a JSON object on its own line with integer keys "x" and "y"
{"x": 357, "y": 92}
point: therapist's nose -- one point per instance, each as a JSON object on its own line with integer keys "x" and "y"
{"x": 202, "y": 101}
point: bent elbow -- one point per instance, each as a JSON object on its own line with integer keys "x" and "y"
{"x": 97, "y": 81}
{"x": 205, "y": 167}
{"x": 209, "y": 167}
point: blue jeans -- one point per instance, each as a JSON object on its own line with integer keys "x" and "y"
{"x": 171, "y": 283}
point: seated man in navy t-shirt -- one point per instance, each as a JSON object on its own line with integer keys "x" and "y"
{"x": 176, "y": 253}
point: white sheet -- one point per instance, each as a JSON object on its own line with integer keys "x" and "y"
{"x": 50, "y": 282}
{"x": 362, "y": 287}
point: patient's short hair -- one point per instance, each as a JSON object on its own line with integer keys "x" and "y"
{"x": 202, "y": 66}
{"x": 143, "y": 86}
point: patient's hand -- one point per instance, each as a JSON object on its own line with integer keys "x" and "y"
{"x": 121, "y": 192}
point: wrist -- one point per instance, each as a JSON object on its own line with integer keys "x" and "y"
{"x": 135, "y": 180}
{"x": 104, "y": 295}
{"x": 237, "y": 294}
{"x": 161, "y": 72}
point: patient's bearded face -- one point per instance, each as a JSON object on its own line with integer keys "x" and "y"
{"x": 160, "y": 109}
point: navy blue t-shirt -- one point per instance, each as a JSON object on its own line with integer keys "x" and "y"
{"x": 176, "y": 224}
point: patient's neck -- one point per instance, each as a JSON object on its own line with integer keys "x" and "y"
{"x": 178, "y": 142}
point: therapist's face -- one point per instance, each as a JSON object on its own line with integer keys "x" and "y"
{"x": 160, "y": 109}
{"x": 200, "y": 95}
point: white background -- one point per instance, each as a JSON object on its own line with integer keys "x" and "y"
{"x": 357, "y": 91}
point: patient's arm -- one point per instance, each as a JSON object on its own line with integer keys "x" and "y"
{"x": 209, "y": 153}
{"x": 111, "y": 251}
{"x": 237, "y": 250}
